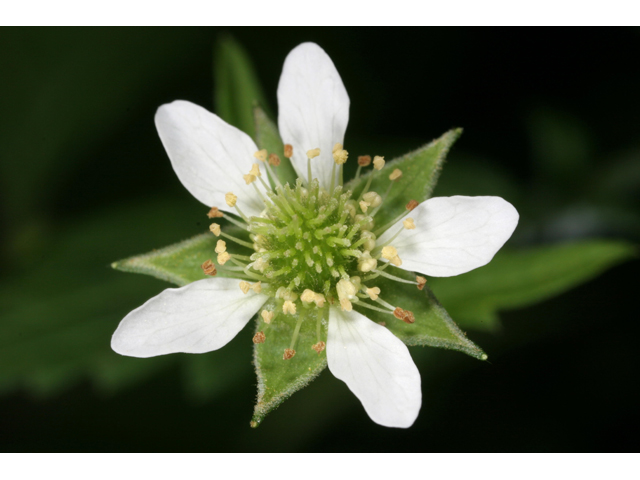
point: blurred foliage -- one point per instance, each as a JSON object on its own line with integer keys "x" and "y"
{"x": 84, "y": 181}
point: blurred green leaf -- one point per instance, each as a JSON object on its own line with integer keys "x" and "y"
{"x": 267, "y": 136}
{"x": 237, "y": 88}
{"x": 433, "y": 326}
{"x": 521, "y": 278}
{"x": 560, "y": 143}
{"x": 278, "y": 379}
{"x": 420, "y": 171}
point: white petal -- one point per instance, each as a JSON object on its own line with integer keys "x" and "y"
{"x": 197, "y": 318}
{"x": 454, "y": 235}
{"x": 313, "y": 109}
{"x": 209, "y": 156}
{"x": 376, "y": 366}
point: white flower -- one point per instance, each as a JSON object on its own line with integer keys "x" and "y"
{"x": 451, "y": 236}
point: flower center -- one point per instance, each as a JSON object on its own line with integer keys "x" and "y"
{"x": 312, "y": 245}
{"x": 309, "y": 238}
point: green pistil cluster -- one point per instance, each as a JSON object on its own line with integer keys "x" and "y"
{"x": 308, "y": 238}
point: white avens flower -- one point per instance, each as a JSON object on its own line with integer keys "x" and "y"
{"x": 329, "y": 266}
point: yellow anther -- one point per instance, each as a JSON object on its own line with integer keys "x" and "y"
{"x": 364, "y": 205}
{"x": 389, "y": 252}
{"x": 215, "y": 229}
{"x": 373, "y": 293}
{"x": 308, "y": 296}
{"x": 261, "y": 155}
{"x": 221, "y": 246}
{"x": 337, "y": 147}
{"x": 274, "y": 160}
{"x": 231, "y": 199}
{"x": 260, "y": 264}
{"x": 366, "y": 263}
{"x": 396, "y": 261}
{"x": 421, "y": 282}
{"x": 346, "y": 289}
{"x": 255, "y": 170}
{"x": 223, "y": 258}
{"x": 257, "y": 287}
{"x": 350, "y": 208}
{"x": 288, "y": 150}
{"x": 259, "y": 337}
{"x": 313, "y": 153}
{"x": 319, "y": 300}
{"x": 369, "y": 240}
{"x": 346, "y": 305}
{"x": 286, "y": 294}
{"x": 396, "y": 174}
{"x": 267, "y": 315}
{"x": 209, "y": 268}
{"x": 319, "y": 347}
{"x": 373, "y": 199}
{"x": 408, "y": 224}
{"x": 340, "y": 156}
{"x": 289, "y": 307}
{"x": 248, "y": 178}
{"x": 364, "y": 160}
{"x": 214, "y": 213}
{"x": 378, "y": 162}
{"x": 245, "y": 287}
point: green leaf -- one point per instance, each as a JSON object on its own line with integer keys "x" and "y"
{"x": 521, "y": 278}
{"x": 433, "y": 326}
{"x": 237, "y": 88}
{"x": 267, "y": 136}
{"x": 420, "y": 171}
{"x": 278, "y": 379}
{"x": 180, "y": 263}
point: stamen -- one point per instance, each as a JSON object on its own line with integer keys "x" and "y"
{"x": 259, "y": 338}
{"x": 421, "y": 282}
{"x": 255, "y": 170}
{"x": 221, "y": 246}
{"x": 245, "y": 287}
{"x": 319, "y": 347}
{"x": 288, "y": 150}
{"x": 411, "y": 205}
{"x": 261, "y": 154}
{"x": 215, "y": 213}
{"x": 396, "y": 174}
{"x": 223, "y": 258}
{"x": 390, "y": 277}
{"x": 373, "y": 292}
{"x": 274, "y": 160}
{"x": 405, "y": 315}
{"x": 231, "y": 199}
{"x": 288, "y": 354}
{"x": 237, "y": 240}
{"x": 373, "y": 199}
{"x": 215, "y": 229}
{"x": 366, "y": 263}
{"x": 378, "y": 162}
{"x": 364, "y": 160}
{"x": 209, "y": 268}
{"x": 289, "y": 308}
{"x": 267, "y": 316}
{"x": 409, "y": 224}
{"x": 248, "y": 178}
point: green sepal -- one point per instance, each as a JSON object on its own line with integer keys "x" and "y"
{"x": 278, "y": 379}
{"x": 268, "y": 137}
{"x": 432, "y": 327}
{"x": 420, "y": 172}
{"x": 181, "y": 262}
{"x": 524, "y": 277}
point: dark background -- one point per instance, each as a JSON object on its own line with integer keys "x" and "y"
{"x": 85, "y": 181}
